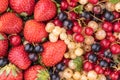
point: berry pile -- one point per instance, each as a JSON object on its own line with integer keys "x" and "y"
{"x": 59, "y": 39}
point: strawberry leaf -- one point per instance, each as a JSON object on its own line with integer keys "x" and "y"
{"x": 114, "y": 1}
{"x": 78, "y": 9}
{"x": 1, "y": 37}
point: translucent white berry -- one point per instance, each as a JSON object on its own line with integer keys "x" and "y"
{"x": 52, "y": 37}
{"x": 68, "y": 73}
{"x": 117, "y": 7}
{"x": 79, "y": 51}
{"x": 71, "y": 64}
{"x": 57, "y": 30}
{"x": 76, "y": 75}
{"x": 63, "y": 36}
{"x": 92, "y": 75}
{"x": 49, "y": 27}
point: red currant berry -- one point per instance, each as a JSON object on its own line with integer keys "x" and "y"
{"x": 109, "y": 33}
{"x": 78, "y": 38}
{"x": 115, "y": 48}
{"x": 57, "y": 22}
{"x": 99, "y": 69}
{"x": 75, "y": 23}
{"x": 114, "y": 75}
{"x": 107, "y": 72}
{"x": 116, "y": 27}
{"x": 64, "y": 5}
{"x": 105, "y": 43}
{"x": 73, "y": 3}
{"x": 107, "y": 26}
{"x": 73, "y": 15}
{"x": 69, "y": 32}
{"x": 93, "y": 1}
{"x": 116, "y": 14}
{"x": 111, "y": 38}
{"x": 88, "y": 31}
{"x": 77, "y": 29}
{"x": 15, "y": 40}
{"x": 87, "y": 66}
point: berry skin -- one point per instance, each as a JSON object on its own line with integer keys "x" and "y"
{"x": 7, "y": 73}
{"x": 99, "y": 69}
{"x": 53, "y": 52}
{"x": 107, "y": 26}
{"x": 78, "y": 38}
{"x": 68, "y": 24}
{"x": 3, "y": 44}
{"x": 19, "y": 57}
{"x": 34, "y": 28}
{"x": 15, "y": 40}
{"x": 114, "y": 75}
{"x": 115, "y": 49}
{"x": 60, "y": 66}
{"x": 36, "y": 72}
{"x": 38, "y": 48}
{"x": 93, "y": 1}
{"x": 3, "y": 5}
{"x": 3, "y": 62}
{"x": 88, "y": 31}
{"x": 77, "y": 29}
{"x": 93, "y": 57}
{"x": 116, "y": 27}
{"x": 23, "y": 6}
{"x": 108, "y": 16}
{"x": 96, "y": 47}
{"x": 10, "y": 23}
{"x": 88, "y": 66}
{"x": 28, "y": 47}
{"x": 105, "y": 43}
{"x": 64, "y": 5}
{"x": 33, "y": 57}
{"x": 103, "y": 63}
{"x": 108, "y": 54}
{"x": 62, "y": 16}
{"x": 44, "y": 10}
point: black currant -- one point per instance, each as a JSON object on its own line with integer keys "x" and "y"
{"x": 92, "y": 57}
{"x": 96, "y": 47}
{"x": 68, "y": 24}
{"x": 103, "y": 63}
{"x": 62, "y": 16}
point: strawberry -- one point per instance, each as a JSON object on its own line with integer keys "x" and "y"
{"x": 44, "y": 10}
{"x": 34, "y": 31}
{"x": 53, "y": 52}
{"x": 10, "y": 72}
{"x": 3, "y": 44}
{"x": 19, "y": 57}
{"x": 23, "y": 6}
{"x": 10, "y": 23}
{"x": 3, "y": 5}
{"x": 36, "y": 72}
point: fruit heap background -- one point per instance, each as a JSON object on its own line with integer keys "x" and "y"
{"x": 59, "y": 39}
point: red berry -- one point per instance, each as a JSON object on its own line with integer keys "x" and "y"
{"x": 57, "y": 22}
{"x": 88, "y": 31}
{"x": 88, "y": 66}
{"x": 69, "y": 32}
{"x": 66, "y": 61}
{"x": 107, "y": 72}
{"x": 73, "y": 3}
{"x": 116, "y": 14}
{"x": 109, "y": 33}
{"x": 116, "y": 27}
{"x": 78, "y": 38}
{"x": 73, "y": 15}
{"x": 75, "y": 23}
{"x": 114, "y": 75}
{"x": 107, "y": 26}
{"x": 15, "y": 40}
{"x": 111, "y": 38}
{"x": 105, "y": 43}
{"x": 93, "y": 1}
{"x": 99, "y": 69}
{"x": 115, "y": 48}
{"x": 77, "y": 29}
{"x": 64, "y": 5}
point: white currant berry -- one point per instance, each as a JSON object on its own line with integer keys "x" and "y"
{"x": 117, "y": 7}
{"x": 57, "y": 31}
{"x": 83, "y": 77}
{"x": 49, "y": 27}
{"x": 67, "y": 73}
{"x": 89, "y": 7}
{"x": 67, "y": 41}
{"x": 100, "y": 34}
{"x": 79, "y": 52}
{"x": 83, "y": 1}
{"x": 110, "y": 6}
{"x": 63, "y": 36}
{"x": 52, "y": 37}
{"x": 93, "y": 25}
{"x": 71, "y": 45}
{"x": 67, "y": 55}
{"x": 72, "y": 55}
{"x": 71, "y": 64}
{"x": 101, "y": 77}
{"x": 92, "y": 75}
{"x": 76, "y": 75}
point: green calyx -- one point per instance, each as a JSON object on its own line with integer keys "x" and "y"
{"x": 43, "y": 75}
{"x": 78, "y": 9}
{"x": 1, "y": 37}
{"x": 114, "y": 1}
{"x": 78, "y": 63}
{"x": 9, "y": 68}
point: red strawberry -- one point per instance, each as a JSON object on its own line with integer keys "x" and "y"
{"x": 10, "y": 72}
{"x": 3, "y": 5}
{"x": 10, "y": 23}
{"x": 44, "y": 10}
{"x": 19, "y": 57}
{"x": 53, "y": 52}
{"x": 23, "y": 6}
{"x": 36, "y": 72}
{"x": 34, "y": 31}
{"x": 3, "y": 44}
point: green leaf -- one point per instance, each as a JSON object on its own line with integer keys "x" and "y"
{"x": 1, "y": 37}
{"x": 78, "y": 9}
{"x": 78, "y": 62}
{"x": 114, "y": 1}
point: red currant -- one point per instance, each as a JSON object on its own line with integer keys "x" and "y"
{"x": 64, "y": 5}
{"x": 115, "y": 48}
{"x": 88, "y": 66}
{"x": 78, "y": 38}
{"x": 88, "y": 31}
{"x": 116, "y": 14}
{"x": 107, "y": 26}
{"x": 93, "y": 1}
{"x": 116, "y": 27}
{"x": 111, "y": 38}
{"x": 15, "y": 40}
{"x": 105, "y": 43}
{"x": 57, "y": 22}
{"x": 77, "y": 29}
{"x": 114, "y": 75}
{"x": 99, "y": 69}
{"x": 107, "y": 72}
{"x": 73, "y": 15}
{"x": 73, "y": 3}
